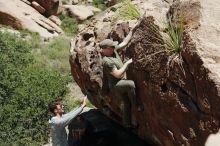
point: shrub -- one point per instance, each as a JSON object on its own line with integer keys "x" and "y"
{"x": 33, "y": 37}
{"x": 54, "y": 55}
{"x": 62, "y": 17}
{"x": 99, "y": 4}
{"x": 25, "y": 91}
{"x": 69, "y": 26}
{"x": 128, "y": 11}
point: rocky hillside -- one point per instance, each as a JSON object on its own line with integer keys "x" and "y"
{"x": 42, "y": 16}
{"x": 179, "y": 89}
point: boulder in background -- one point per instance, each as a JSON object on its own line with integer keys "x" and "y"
{"x": 51, "y": 6}
{"x": 20, "y": 15}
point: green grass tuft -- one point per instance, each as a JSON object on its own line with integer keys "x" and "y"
{"x": 128, "y": 11}
{"x": 174, "y": 36}
{"x": 173, "y": 39}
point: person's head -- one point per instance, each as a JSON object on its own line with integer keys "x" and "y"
{"x": 56, "y": 107}
{"x": 108, "y": 47}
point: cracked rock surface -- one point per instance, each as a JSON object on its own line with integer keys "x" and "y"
{"x": 180, "y": 94}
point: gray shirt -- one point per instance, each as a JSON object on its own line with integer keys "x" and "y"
{"x": 58, "y": 131}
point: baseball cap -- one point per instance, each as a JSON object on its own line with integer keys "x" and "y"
{"x": 108, "y": 43}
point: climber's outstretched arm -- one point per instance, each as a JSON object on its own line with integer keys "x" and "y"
{"x": 129, "y": 36}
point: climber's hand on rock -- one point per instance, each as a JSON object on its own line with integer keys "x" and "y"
{"x": 135, "y": 26}
{"x": 129, "y": 61}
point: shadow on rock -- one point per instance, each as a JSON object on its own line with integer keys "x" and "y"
{"x": 92, "y": 128}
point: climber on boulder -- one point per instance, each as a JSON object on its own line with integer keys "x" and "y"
{"x": 115, "y": 71}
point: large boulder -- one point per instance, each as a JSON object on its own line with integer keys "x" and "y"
{"x": 51, "y": 6}
{"x": 80, "y": 12}
{"x": 20, "y": 15}
{"x": 180, "y": 92}
{"x": 38, "y": 7}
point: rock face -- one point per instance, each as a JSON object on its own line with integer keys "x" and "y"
{"x": 180, "y": 92}
{"x": 20, "y": 15}
{"x": 55, "y": 19}
{"x": 96, "y": 129}
{"x": 80, "y": 12}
